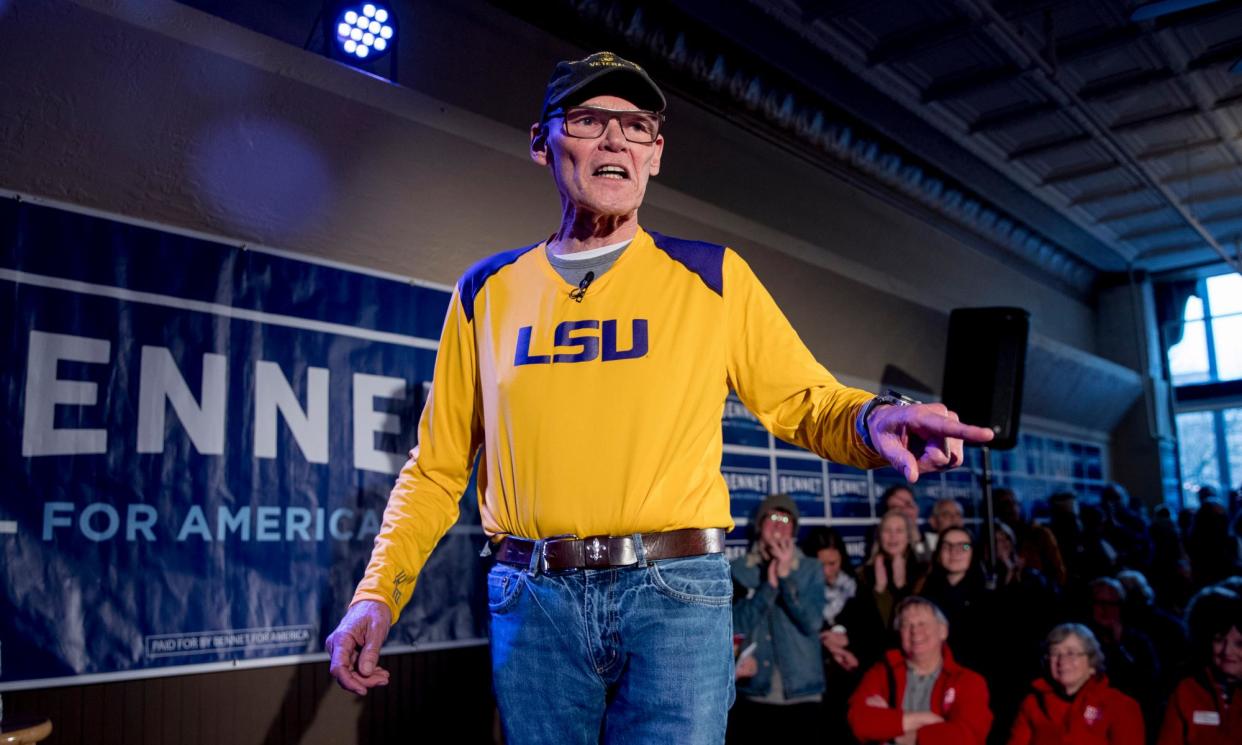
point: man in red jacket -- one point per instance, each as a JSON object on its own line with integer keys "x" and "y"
{"x": 919, "y": 694}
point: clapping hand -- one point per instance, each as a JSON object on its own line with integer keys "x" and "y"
{"x": 780, "y": 562}
{"x": 881, "y": 572}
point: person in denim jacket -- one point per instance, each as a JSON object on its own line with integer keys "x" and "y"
{"x": 778, "y": 607}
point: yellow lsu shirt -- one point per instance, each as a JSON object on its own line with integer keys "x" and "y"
{"x": 602, "y": 416}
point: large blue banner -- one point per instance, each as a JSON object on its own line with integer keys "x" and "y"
{"x": 198, "y": 445}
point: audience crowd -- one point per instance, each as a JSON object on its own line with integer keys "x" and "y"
{"x": 1098, "y": 625}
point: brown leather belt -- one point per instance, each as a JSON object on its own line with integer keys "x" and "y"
{"x": 603, "y": 551}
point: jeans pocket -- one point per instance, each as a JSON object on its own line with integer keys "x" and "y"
{"x": 504, "y": 586}
{"x": 698, "y": 580}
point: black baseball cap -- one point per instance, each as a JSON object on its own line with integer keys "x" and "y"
{"x": 601, "y": 73}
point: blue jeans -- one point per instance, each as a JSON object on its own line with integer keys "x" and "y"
{"x": 640, "y": 654}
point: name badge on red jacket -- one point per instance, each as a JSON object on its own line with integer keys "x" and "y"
{"x": 949, "y": 697}
{"x": 1209, "y": 718}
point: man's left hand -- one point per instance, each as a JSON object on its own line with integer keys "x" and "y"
{"x": 894, "y": 427}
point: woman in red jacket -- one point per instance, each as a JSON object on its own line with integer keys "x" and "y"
{"x": 1075, "y": 705}
{"x": 1206, "y": 708}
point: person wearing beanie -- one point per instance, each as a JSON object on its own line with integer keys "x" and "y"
{"x": 778, "y": 607}
{"x": 588, "y": 373}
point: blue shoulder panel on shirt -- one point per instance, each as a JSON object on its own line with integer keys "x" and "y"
{"x": 704, "y": 259}
{"x": 471, "y": 283}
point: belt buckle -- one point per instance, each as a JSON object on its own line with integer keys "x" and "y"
{"x": 543, "y": 552}
{"x": 595, "y": 552}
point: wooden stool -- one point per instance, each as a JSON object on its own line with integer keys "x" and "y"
{"x": 20, "y": 730}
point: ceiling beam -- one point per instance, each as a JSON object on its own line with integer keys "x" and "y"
{"x": 903, "y": 45}
{"x": 1177, "y": 262}
{"x": 1013, "y": 115}
{"x": 1018, "y": 8}
{"x": 1180, "y": 148}
{"x": 1225, "y": 217}
{"x": 1050, "y": 146}
{"x": 1074, "y": 174}
{"x": 1107, "y": 195}
{"x": 1187, "y": 245}
{"x": 1153, "y": 231}
{"x": 958, "y": 86}
{"x": 1132, "y": 213}
{"x": 1212, "y": 196}
{"x": 1192, "y": 175}
{"x": 1081, "y": 46}
{"x": 1121, "y": 85}
{"x": 1220, "y": 54}
{"x": 1226, "y": 102}
{"x": 1154, "y": 120}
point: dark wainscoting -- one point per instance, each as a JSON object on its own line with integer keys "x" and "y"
{"x": 434, "y": 696}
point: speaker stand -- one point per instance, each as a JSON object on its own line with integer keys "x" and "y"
{"x": 989, "y": 524}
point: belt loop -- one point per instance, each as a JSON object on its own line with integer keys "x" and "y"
{"x": 536, "y": 558}
{"x": 639, "y": 552}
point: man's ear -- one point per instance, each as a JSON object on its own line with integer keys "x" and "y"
{"x": 539, "y": 144}
{"x": 659, "y": 152}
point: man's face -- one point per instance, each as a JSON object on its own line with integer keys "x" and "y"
{"x": 922, "y": 634}
{"x": 902, "y": 500}
{"x": 946, "y": 515}
{"x": 605, "y": 176}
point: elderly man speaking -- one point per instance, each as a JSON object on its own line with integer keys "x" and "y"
{"x": 589, "y": 373}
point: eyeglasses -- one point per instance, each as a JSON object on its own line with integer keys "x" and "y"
{"x": 1067, "y": 655}
{"x": 779, "y": 517}
{"x": 589, "y": 122}
{"x": 962, "y": 548}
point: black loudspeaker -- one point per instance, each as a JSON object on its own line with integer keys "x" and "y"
{"x": 983, "y": 369}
